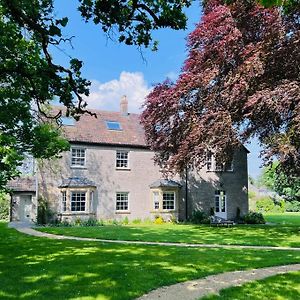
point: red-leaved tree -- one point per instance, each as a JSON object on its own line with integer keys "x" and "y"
{"x": 240, "y": 80}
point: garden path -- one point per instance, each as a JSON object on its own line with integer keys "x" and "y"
{"x": 31, "y": 231}
{"x": 194, "y": 289}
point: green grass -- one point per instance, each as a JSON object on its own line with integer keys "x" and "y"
{"x": 279, "y": 287}
{"x": 261, "y": 235}
{"x": 41, "y": 268}
{"x": 284, "y": 219}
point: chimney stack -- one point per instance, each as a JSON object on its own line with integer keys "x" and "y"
{"x": 124, "y": 106}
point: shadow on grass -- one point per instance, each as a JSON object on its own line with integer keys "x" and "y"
{"x": 286, "y": 286}
{"x": 40, "y": 268}
{"x": 261, "y": 235}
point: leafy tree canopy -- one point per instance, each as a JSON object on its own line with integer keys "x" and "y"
{"x": 240, "y": 80}
{"x": 275, "y": 179}
{"x": 30, "y": 78}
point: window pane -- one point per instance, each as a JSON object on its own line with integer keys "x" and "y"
{"x": 169, "y": 200}
{"x": 113, "y": 125}
{"x": 78, "y": 157}
{"x": 122, "y": 159}
{"x": 121, "y": 201}
{"x": 220, "y": 201}
{"x": 155, "y": 200}
{"x": 67, "y": 121}
{"x": 64, "y": 201}
{"x": 78, "y": 201}
{"x": 217, "y": 203}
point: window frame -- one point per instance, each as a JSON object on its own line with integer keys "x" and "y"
{"x": 80, "y": 201}
{"x": 221, "y": 199}
{"x": 121, "y": 160}
{"x": 168, "y": 200}
{"x": 74, "y": 159}
{"x": 211, "y": 164}
{"x": 107, "y": 122}
{"x": 63, "y": 201}
{"x": 155, "y": 200}
{"x": 118, "y": 209}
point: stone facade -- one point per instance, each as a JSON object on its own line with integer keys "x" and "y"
{"x": 100, "y": 168}
{"x": 109, "y": 173}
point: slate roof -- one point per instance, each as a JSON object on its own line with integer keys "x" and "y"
{"x": 76, "y": 182}
{"x": 94, "y": 130}
{"x": 164, "y": 183}
{"x": 22, "y": 184}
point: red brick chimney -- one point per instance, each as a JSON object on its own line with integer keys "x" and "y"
{"x": 124, "y": 106}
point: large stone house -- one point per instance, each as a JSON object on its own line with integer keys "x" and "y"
{"x": 109, "y": 173}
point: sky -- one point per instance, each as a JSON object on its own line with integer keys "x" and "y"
{"x": 116, "y": 69}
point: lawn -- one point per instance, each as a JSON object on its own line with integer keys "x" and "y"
{"x": 284, "y": 219}
{"x": 285, "y": 286}
{"x": 41, "y": 268}
{"x": 261, "y": 235}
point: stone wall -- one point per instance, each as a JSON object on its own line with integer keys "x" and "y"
{"x": 101, "y": 169}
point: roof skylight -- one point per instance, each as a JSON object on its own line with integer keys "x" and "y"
{"x": 113, "y": 125}
{"x": 67, "y": 121}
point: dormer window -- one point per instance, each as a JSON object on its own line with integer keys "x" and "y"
{"x": 113, "y": 125}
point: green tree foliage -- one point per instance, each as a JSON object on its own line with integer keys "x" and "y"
{"x": 274, "y": 178}
{"x": 4, "y": 206}
{"x": 30, "y": 79}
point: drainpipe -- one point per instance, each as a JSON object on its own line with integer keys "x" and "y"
{"x": 35, "y": 168}
{"x": 186, "y": 193}
{"x": 11, "y": 207}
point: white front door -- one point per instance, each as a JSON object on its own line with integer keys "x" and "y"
{"x": 221, "y": 204}
{"x": 25, "y": 208}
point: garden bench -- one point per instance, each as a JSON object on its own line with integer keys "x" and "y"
{"x": 217, "y": 221}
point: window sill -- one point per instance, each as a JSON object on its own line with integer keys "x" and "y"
{"x": 122, "y": 212}
{"x": 72, "y": 213}
{"x": 219, "y": 171}
{"x": 123, "y": 169}
{"x": 78, "y": 167}
{"x": 163, "y": 211}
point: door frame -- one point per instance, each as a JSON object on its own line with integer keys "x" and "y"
{"x": 220, "y": 207}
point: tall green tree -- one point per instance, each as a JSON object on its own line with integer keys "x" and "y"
{"x": 274, "y": 178}
{"x": 30, "y": 78}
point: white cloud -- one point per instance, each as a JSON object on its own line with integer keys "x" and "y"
{"x": 107, "y": 95}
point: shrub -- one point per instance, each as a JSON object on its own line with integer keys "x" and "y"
{"x": 78, "y": 222}
{"x": 44, "y": 213}
{"x": 125, "y": 221}
{"x": 90, "y": 222}
{"x": 254, "y": 218}
{"x": 115, "y": 222}
{"x": 136, "y": 221}
{"x": 200, "y": 217}
{"x": 265, "y": 204}
{"x": 100, "y": 222}
{"x": 251, "y": 194}
{"x": 159, "y": 220}
{"x": 4, "y": 206}
{"x": 64, "y": 223}
{"x": 173, "y": 220}
{"x": 292, "y": 206}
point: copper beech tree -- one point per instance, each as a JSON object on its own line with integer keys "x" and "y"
{"x": 240, "y": 80}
